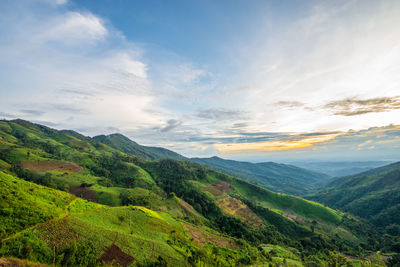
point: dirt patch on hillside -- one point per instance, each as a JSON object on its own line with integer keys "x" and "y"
{"x": 43, "y": 166}
{"x": 18, "y": 263}
{"x": 218, "y": 189}
{"x": 238, "y": 209}
{"x": 201, "y": 237}
{"x": 222, "y": 186}
{"x": 83, "y": 192}
{"x": 115, "y": 256}
{"x": 293, "y": 217}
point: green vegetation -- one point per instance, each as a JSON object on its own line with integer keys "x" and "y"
{"x": 277, "y": 177}
{"x": 374, "y": 195}
{"x": 167, "y": 212}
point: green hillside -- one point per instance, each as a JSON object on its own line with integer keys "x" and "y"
{"x": 374, "y": 195}
{"x": 154, "y": 212}
{"x": 73, "y": 232}
{"x": 277, "y": 177}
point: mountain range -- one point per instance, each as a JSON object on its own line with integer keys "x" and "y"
{"x": 274, "y": 176}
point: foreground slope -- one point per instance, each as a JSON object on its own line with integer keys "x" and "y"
{"x": 71, "y": 231}
{"x": 374, "y": 194}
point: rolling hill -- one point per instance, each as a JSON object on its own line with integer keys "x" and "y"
{"x": 374, "y": 194}
{"x": 70, "y": 200}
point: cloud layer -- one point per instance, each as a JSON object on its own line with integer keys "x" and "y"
{"x": 289, "y": 84}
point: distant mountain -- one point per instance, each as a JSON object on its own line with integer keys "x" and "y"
{"x": 124, "y": 144}
{"x": 374, "y": 194}
{"x": 277, "y": 177}
{"x": 338, "y": 168}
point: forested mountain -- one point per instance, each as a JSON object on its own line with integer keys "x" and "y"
{"x": 277, "y": 177}
{"x": 70, "y": 200}
{"x": 124, "y": 144}
{"x": 374, "y": 195}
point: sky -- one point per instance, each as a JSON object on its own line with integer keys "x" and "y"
{"x": 250, "y": 80}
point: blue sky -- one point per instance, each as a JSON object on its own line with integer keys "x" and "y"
{"x": 260, "y": 80}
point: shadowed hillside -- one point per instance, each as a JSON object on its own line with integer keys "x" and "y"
{"x": 374, "y": 195}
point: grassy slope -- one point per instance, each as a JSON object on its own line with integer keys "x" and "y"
{"x": 57, "y": 220}
{"x": 25, "y": 204}
{"x": 374, "y": 194}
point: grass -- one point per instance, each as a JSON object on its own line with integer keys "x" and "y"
{"x": 283, "y": 202}
{"x": 24, "y": 204}
{"x": 141, "y": 232}
{"x": 76, "y": 179}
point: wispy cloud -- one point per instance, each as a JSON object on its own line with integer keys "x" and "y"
{"x": 290, "y": 104}
{"x": 171, "y": 124}
{"x": 221, "y": 114}
{"x": 355, "y": 106}
{"x": 32, "y": 112}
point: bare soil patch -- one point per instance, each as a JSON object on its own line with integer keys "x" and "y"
{"x": 222, "y": 186}
{"x": 238, "y": 209}
{"x": 83, "y": 192}
{"x": 202, "y": 237}
{"x": 293, "y": 217}
{"x": 218, "y": 189}
{"x": 115, "y": 256}
{"x": 43, "y": 166}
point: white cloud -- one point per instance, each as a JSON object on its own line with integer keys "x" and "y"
{"x": 73, "y": 28}
{"x": 71, "y": 76}
{"x": 123, "y": 62}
